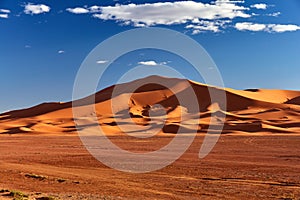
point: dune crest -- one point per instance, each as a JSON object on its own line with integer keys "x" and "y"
{"x": 154, "y": 105}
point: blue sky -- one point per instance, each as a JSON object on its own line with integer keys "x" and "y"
{"x": 255, "y": 44}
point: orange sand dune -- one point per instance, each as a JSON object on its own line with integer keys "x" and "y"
{"x": 156, "y": 101}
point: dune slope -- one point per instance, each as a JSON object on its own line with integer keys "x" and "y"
{"x": 156, "y": 103}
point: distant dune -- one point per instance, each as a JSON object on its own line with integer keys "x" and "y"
{"x": 257, "y": 111}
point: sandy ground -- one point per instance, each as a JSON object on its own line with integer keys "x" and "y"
{"x": 147, "y": 103}
{"x": 239, "y": 167}
{"x": 257, "y": 157}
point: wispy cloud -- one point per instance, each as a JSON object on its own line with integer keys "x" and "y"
{"x": 34, "y": 9}
{"x": 204, "y": 25}
{"x": 278, "y": 28}
{"x": 102, "y": 61}
{"x": 61, "y": 51}
{"x": 5, "y": 16}
{"x": 4, "y": 13}
{"x": 151, "y": 63}
{"x": 275, "y": 14}
{"x": 261, "y": 6}
{"x": 78, "y": 10}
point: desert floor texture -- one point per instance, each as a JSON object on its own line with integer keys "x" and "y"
{"x": 256, "y": 157}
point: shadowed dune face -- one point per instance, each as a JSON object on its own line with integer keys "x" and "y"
{"x": 295, "y": 100}
{"x": 154, "y": 104}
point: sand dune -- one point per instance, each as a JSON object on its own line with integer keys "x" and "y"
{"x": 152, "y": 105}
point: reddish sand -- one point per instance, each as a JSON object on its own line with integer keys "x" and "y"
{"x": 256, "y": 111}
{"x": 257, "y": 157}
{"x": 239, "y": 167}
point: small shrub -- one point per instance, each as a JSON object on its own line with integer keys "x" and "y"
{"x": 46, "y": 198}
{"x": 39, "y": 177}
{"x": 61, "y": 180}
{"x": 18, "y": 195}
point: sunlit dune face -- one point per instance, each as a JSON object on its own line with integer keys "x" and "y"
{"x": 147, "y": 106}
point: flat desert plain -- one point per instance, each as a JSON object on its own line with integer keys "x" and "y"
{"x": 256, "y": 157}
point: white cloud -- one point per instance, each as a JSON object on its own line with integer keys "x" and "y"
{"x": 5, "y": 16}
{"x": 34, "y": 9}
{"x": 78, "y": 10}
{"x": 152, "y": 63}
{"x": 196, "y": 31}
{"x": 102, "y": 61}
{"x": 276, "y": 14}
{"x": 168, "y": 13}
{"x": 248, "y": 26}
{"x": 61, "y": 51}
{"x": 204, "y": 25}
{"x": 197, "y": 17}
{"x": 94, "y": 9}
{"x": 198, "y": 28}
{"x": 83, "y": 10}
{"x": 278, "y": 28}
{"x": 261, "y": 6}
{"x": 27, "y": 46}
{"x": 4, "y": 11}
